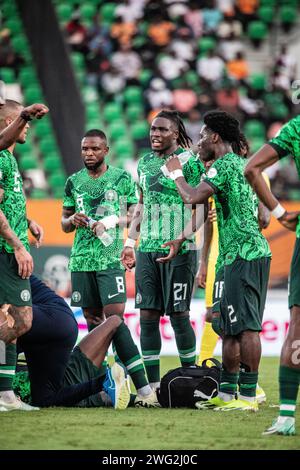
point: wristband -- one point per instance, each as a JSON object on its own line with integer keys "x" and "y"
{"x": 110, "y": 221}
{"x": 130, "y": 242}
{"x": 175, "y": 174}
{"x": 26, "y": 116}
{"x": 278, "y": 211}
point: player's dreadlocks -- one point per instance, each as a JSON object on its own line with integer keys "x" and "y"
{"x": 242, "y": 148}
{"x": 183, "y": 139}
{"x": 225, "y": 125}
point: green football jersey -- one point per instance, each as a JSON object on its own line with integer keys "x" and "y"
{"x": 109, "y": 194}
{"x": 237, "y": 211}
{"x": 13, "y": 204}
{"x": 164, "y": 215}
{"x": 287, "y": 142}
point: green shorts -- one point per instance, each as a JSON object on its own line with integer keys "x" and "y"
{"x": 166, "y": 287}
{"x": 13, "y": 289}
{"x": 244, "y": 295}
{"x": 98, "y": 288}
{"x": 294, "y": 284}
{"x": 80, "y": 369}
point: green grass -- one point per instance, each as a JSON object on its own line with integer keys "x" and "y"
{"x": 72, "y": 428}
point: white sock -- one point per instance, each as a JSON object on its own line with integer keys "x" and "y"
{"x": 226, "y": 396}
{"x": 144, "y": 391}
{"x": 251, "y": 399}
{"x": 282, "y": 419}
{"x": 8, "y": 396}
{"x": 154, "y": 385}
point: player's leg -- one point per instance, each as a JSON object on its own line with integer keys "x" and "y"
{"x": 209, "y": 337}
{"x": 289, "y": 370}
{"x": 178, "y": 281}
{"x": 15, "y": 291}
{"x": 149, "y": 299}
{"x": 85, "y": 295}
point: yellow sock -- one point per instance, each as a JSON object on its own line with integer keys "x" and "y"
{"x": 208, "y": 343}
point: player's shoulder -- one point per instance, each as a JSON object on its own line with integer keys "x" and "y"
{"x": 5, "y": 155}
{"x": 77, "y": 175}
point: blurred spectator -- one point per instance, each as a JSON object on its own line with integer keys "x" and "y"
{"x": 184, "y": 99}
{"x": 99, "y": 36}
{"x": 160, "y": 32}
{"x": 286, "y": 63}
{"x": 77, "y": 33}
{"x": 171, "y": 66}
{"x": 158, "y": 95}
{"x": 8, "y": 57}
{"x": 238, "y": 68}
{"x": 130, "y": 10}
{"x": 228, "y": 48}
{"x": 246, "y": 11}
{"x": 176, "y": 8}
{"x": 250, "y": 106}
{"x": 194, "y": 19}
{"x": 230, "y": 28}
{"x": 226, "y": 7}
{"x": 228, "y": 98}
{"x": 193, "y": 124}
{"x": 211, "y": 68}
{"x": 279, "y": 81}
{"x": 128, "y": 63}
{"x": 123, "y": 32}
{"x": 212, "y": 16}
{"x": 112, "y": 83}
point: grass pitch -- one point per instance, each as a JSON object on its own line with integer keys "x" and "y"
{"x": 160, "y": 429}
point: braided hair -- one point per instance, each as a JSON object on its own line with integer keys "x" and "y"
{"x": 242, "y": 148}
{"x": 184, "y": 139}
{"x": 225, "y": 125}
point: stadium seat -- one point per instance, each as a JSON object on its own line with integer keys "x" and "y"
{"x": 52, "y": 162}
{"x": 92, "y": 112}
{"x": 258, "y": 81}
{"x": 256, "y": 144}
{"x": 77, "y": 60}
{"x": 87, "y": 12}
{"x": 288, "y": 16}
{"x": 133, "y": 95}
{"x": 33, "y": 94}
{"x": 58, "y": 192}
{"x": 140, "y": 130}
{"x": 266, "y": 14}
{"x": 112, "y": 111}
{"x": 15, "y": 25}
{"x": 192, "y": 78}
{"x": 57, "y": 180}
{"x": 116, "y": 130}
{"x": 7, "y": 75}
{"x": 38, "y": 193}
{"x": 206, "y": 43}
{"x": 294, "y": 194}
{"x": 257, "y": 31}
{"x": 42, "y": 128}
{"x": 254, "y": 129}
{"x": 268, "y": 3}
{"x": 27, "y": 162}
{"x": 107, "y": 12}
{"x": 122, "y": 146}
{"x": 145, "y": 76}
{"x": 134, "y": 112}
{"x": 48, "y": 144}
{"x": 64, "y": 12}
{"x": 28, "y": 76}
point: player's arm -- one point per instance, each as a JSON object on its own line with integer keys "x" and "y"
{"x": 264, "y": 216}
{"x": 23, "y": 258}
{"x": 71, "y": 220}
{"x": 37, "y": 232}
{"x": 128, "y": 254}
{"x": 208, "y": 233}
{"x": 10, "y": 134}
{"x": 197, "y": 220}
{"x": 262, "y": 159}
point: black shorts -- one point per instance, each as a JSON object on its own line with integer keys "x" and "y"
{"x": 294, "y": 281}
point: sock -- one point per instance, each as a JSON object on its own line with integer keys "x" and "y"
{"x": 185, "y": 340}
{"x": 130, "y": 356}
{"x": 208, "y": 343}
{"x": 248, "y": 383}
{"x": 288, "y": 390}
{"x": 8, "y": 369}
{"x": 116, "y": 357}
{"x": 151, "y": 346}
{"x": 228, "y": 382}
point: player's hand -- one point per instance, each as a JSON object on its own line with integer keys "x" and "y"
{"x": 25, "y": 262}
{"x": 37, "y": 232}
{"x": 290, "y": 220}
{"x": 212, "y": 215}
{"x": 128, "y": 258}
{"x": 202, "y": 275}
{"x": 79, "y": 220}
{"x": 174, "y": 248}
{"x": 98, "y": 229}
{"x": 173, "y": 163}
{"x": 37, "y": 110}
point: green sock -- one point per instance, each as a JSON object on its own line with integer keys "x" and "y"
{"x": 116, "y": 357}
{"x": 130, "y": 356}
{"x": 151, "y": 346}
{"x": 288, "y": 390}
{"x": 228, "y": 382}
{"x": 8, "y": 369}
{"x": 185, "y": 340}
{"x": 248, "y": 382}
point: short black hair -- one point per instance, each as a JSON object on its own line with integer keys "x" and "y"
{"x": 184, "y": 139}
{"x": 224, "y": 124}
{"x": 95, "y": 133}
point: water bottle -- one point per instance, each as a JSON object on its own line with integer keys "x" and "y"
{"x": 105, "y": 238}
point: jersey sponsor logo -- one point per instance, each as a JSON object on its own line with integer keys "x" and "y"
{"x": 25, "y": 295}
{"x": 212, "y": 172}
{"x": 76, "y": 296}
{"x": 110, "y": 296}
{"x": 111, "y": 195}
{"x": 138, "y": 298}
